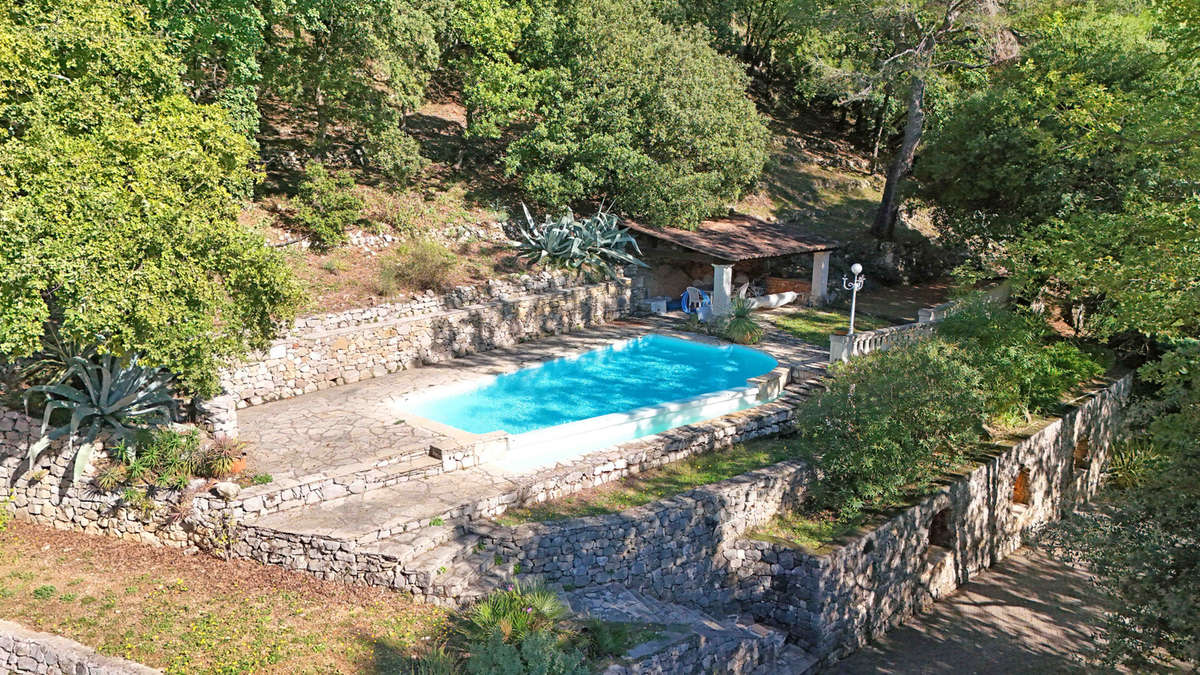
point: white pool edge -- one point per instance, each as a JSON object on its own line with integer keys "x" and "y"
{"x": 593, "y": 434}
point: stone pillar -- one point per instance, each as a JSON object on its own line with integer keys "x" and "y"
{"x": 722, "y": 289}
{"x": 820, "y": 278}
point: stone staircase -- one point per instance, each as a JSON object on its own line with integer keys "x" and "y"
{"x": 688, "y": 640}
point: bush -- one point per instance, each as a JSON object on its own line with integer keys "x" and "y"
{"x": 540, "y": 653}
{"x": 608, "y": 101}
{"x": 422, "y": 264}
{"x": 398, "y": 155}
{"x": 326, "y": 207}
{"x": 514, "y": 614}
{"x": 1010, "y": 349}
{"x": 120, "y": 198}
{"x": 592, "y": 245}
{"x": 741, "y": 326}
{"x": 891, "y": 422}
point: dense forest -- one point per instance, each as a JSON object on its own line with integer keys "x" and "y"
{"x": 1053, "y": 142}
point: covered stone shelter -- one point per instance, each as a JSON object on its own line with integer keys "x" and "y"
{"x": 724, "y": 253}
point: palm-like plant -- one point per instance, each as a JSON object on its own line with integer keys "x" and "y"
{"x": 741, "y": 326}
{"x": 595, "y": 244}
{"x": 108, "y": 395}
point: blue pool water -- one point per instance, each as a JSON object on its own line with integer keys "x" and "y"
{"x": 637, "y": 373}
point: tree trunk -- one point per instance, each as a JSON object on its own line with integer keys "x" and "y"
{"x": 885, "y": 219}
{"x": 879, "y": 123}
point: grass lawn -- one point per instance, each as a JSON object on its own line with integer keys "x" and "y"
{"x": 659, "y": 483}
{"x": 813, "y": 533}
{"x": 814, "y": 325}
{"x": 197, "y": 614}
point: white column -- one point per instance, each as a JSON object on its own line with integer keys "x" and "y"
{"x": 722, "y": 289}
{"x": 820, "y": 278}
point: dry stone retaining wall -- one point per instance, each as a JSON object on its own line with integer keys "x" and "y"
{"x": 26, "y": 651}
{"x": 668, "y": 549}
{"x": 832, "y": 604}
{"x": 331, "y": 349}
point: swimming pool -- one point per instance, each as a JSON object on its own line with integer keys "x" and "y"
{"x": 624, "y": 391}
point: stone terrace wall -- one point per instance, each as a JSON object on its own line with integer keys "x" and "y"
{"x": 668, "y": 549}
{"x": 832, "y": 604}
{"x": 26, "y": 651}
{"x": 331, "y": 349}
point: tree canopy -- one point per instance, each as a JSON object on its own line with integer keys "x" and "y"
{"x": 608, "y": 102}
{"x": 118, "y": 215}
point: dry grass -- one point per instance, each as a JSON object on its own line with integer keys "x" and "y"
{"x": 196, "y": 614}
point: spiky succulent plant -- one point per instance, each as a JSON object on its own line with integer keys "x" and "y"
{"x": 102, "y": 395}
{"x": 596, "y": 244}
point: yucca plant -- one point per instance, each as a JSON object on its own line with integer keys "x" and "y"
{"x": 740, "y": 326}
{"x": 108, "y": 395}
{"x": 595, "y": 244}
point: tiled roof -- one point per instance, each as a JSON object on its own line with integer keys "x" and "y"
{"x": 740, "y": 237}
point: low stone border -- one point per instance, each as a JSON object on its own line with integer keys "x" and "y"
{"x": 26, "y": 651}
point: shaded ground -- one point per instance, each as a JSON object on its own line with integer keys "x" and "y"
{"x": 1028, "y": 614}
{"x": 197, "y": 614}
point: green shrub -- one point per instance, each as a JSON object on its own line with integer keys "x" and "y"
{"x": 398, "y": 155}
{"x": 120, "y": 198}
{"x": 593, "y": 245}
{"x": 605, "y": 100}
{"x": 540, "y": 653}
{"x": 514, "y": 614}
{"x": 422, "y": 264}
{"x": 1134, "y": 461}
{"x": 604, "y": 640}
{"x": 1011, "y": 349}
{"x": 741, "y": 326}
{"x": 326, "y": 206}
{"x": 892, "y": 421}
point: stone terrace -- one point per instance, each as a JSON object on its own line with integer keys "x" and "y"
{"x": 357, "y": 495}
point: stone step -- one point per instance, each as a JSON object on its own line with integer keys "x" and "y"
{"x": 384, "y": 512}
{"x": 407, "y": 546}
{"x": 337, "y": 482}
{"x": 690, "y": 641}
{"x": 791, "y": 661}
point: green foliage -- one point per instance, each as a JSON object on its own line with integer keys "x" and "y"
{"x": 741, "y": 326}
{"x": 1083, "y": 159}
{"x": 354, "y": 66}
{"x": 514, "y": 615}
{"x": 421, "y": 264}
{"x": 326, "y": 205}
{"x": 1010, "y": 350}
{"x": 398, "y": 155}
{"x": 1141, "y": 548}
{"x": 117, "y": 199}
{"x": 111, "y": 396}
{"x": 604, "y": 640}
{"x": 592, "y": 245}
{"x": 218, "y": 43}
{"x": 539, "y": 653}
{"x": 1134, "y": 461}
{"x": 814, "y": 325}
{"x": 612, "y": 103}
{"x": 872, "y": 456}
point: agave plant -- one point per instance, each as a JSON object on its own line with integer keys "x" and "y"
{"x": 106, "y": 395}
{"x": 595, "y": 244}
{"x": 741, "y": 326}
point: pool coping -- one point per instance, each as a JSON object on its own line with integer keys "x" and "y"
{"x": 460, "y": 449}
